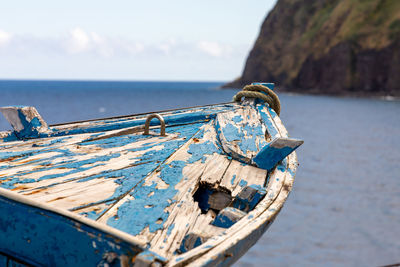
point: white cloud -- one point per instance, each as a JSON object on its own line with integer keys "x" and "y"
{"x": 77, "y": 41}
{"x": 134, "y": 48}
{"x": 5, "y": 37}
{"x": 93, "y": 45}
{"x": 214, "y": 49}
{"x": 101, "y": 45}
{"x": 167, "y": 46}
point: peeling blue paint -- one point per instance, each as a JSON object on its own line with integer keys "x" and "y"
{"x": 200, "y": 150}
{"x": 242, "y": 183}
{"x": 128, "y": 177}
{"x": 148, "y": 204}
{"x": 237, "y": 119}
{"x": 228, "y": 217}
{"x": 231, "y": 133}
{"x": 151, "y": 256}
{"x": 30, "y": 129}
{"x": 170, "y": 228}
{"x": 155, "y": 217}
{"x": 233, "y": 179}
{"x": 267, "y": 120}
{"x": 45, "y": 238}
{"x": 271, "y": 154}
{"x": 249, "y": 197}
{"x": 185, "y": 246}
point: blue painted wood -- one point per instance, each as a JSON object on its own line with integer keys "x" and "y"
{"x": 41, "y": 237}
{"x": 241, "y": 135}
{"x": 275, "y": 151}
{"x": 132, "y": 217}
{"x": 3, "y": 260}
{"x": 269, "y": 85}
{"x": 14, "y": 263}
{"x": 190, "y": 241}
{"x": 249, "y": 197}
{"x": 228, "y": 217}
{"x": 65, "y": 160}
{"x": 26, "y": 121}
{"x": 267, "y": 120}
{"x": 149, "y": 258}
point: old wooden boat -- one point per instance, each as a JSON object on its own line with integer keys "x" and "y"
{"x": 195, "y": 186}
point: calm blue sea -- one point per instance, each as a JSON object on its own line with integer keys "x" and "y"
{"x": 344, "y": 209}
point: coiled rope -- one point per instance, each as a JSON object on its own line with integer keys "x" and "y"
{"x": 261, "y": 92}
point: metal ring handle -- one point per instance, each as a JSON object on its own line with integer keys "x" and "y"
{"x": 147, "y": 124}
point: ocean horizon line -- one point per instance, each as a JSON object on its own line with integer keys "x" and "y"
{"x": 108, "y": 80}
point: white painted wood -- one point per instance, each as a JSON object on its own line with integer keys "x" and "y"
{"x": 95, "y": 209}
{"x": 75, "y": 194}
{"x": 184, "y": 212}
{"x": 215, "y": 169}
{"x": 203, "y": 224}
{"x": 239, "y": 175}
{"x": 124, "y": 160}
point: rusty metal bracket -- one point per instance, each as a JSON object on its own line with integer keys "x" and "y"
{"x": 147, "y": 124}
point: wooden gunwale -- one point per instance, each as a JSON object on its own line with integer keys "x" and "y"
{"x": 139, "y": 114}
{"x": 173, "y": 117}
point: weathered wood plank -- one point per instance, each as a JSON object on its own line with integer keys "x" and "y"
{"x": 75, "y": 194}
{"x": 93, "y": 211}
{"x": 65, "y": 168}
{"x": 200, "y": 232}
{"x": 241, "y": 132}
{"x": 273, "y": 131}
{"x": 164, "y": 178}
{"x": 238, "y": 175}
{"x": 114, "y": 177}
{"x": 165, "y": 215}
{"x": 215, "y": 169}
{"x": 203, "y": 224}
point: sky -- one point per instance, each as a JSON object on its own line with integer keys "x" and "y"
{"x": 206, "y": 40}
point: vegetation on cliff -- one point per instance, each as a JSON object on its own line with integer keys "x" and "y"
{"x": 329, "y": 46}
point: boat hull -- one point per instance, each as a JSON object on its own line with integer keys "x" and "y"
{"x": 100, "y": 192}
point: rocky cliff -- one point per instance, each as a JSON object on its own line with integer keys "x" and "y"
{"x": 328, "y": 46}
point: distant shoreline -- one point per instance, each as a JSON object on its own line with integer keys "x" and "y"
{"x": 355, "y": 94}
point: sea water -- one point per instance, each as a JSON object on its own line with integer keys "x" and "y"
{"x": 344, "y": 209}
